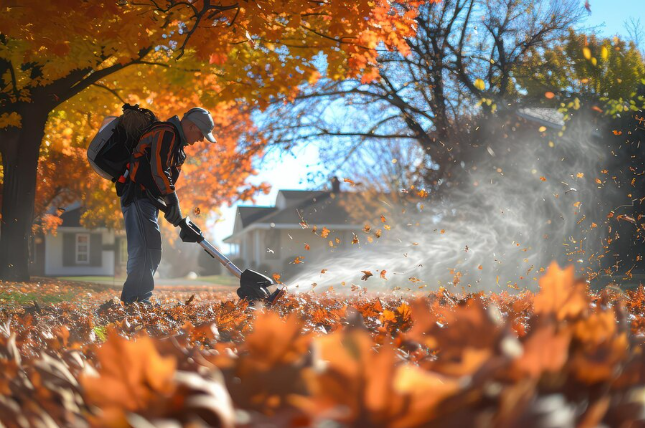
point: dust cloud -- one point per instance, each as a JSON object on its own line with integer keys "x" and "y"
{"x": 522, "y": 205}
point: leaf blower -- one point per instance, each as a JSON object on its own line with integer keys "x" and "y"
{"x": 253, "y": 285}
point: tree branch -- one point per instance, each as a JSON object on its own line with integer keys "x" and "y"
{"x": 95, "y": 76}
{"x": 110, "y": 90}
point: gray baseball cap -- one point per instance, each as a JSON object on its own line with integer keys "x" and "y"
{"x": 204, "y": 121}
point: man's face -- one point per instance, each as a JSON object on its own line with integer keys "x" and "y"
{"x": 192, "y": 132}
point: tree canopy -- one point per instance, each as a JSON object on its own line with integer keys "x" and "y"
{"x": 61, "y": 61}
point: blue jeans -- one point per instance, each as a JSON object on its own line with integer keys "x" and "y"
{"x": 144, "y": 249}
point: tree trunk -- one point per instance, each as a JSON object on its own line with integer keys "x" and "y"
{"x": 20, "y": 148}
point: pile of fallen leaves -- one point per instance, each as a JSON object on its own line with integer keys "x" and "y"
{"x": 557, "y": 358}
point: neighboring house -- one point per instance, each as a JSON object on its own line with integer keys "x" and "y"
{"x": 270, "y": 238}
{"x": 77, "y": 251}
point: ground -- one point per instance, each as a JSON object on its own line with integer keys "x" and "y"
{"x": 71, "y": 355}
{"x": 94, "y": 291}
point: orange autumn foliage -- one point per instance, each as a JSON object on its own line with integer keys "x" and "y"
{"x": 132, "y": 377}
{"x": 213, "y": 174}
{"x": 65, "y": 65}
{"x": 438, "y": 359}
{"x": 560, "y": 295}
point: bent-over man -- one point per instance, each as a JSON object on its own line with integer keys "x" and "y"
{"x": 153, "y": 172}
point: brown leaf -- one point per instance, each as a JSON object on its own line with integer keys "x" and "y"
{"x": 366, "y": 274}
{"x": 369, "y": 386}
{"x": 190, "y": 300}
{"x": 545, "y": 350}
{"x": 469, "y": 325}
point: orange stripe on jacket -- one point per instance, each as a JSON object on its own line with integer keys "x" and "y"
{"x": 158, "y": 171}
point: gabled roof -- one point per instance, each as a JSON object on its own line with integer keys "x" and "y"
{"x": 312, "y": 207}
{"x": 71, "y": 218}
{"x": 549, "y": 117}
{"x": 319, "y": 207}
{"x": 299, "y": 194}
{"x": 250, "y": 214}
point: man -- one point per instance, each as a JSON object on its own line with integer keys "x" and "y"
{"x": 153, "y": 172}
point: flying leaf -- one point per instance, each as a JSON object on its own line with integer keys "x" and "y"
{"x": 586, "y": 52}
{"x": 479, "y": 84}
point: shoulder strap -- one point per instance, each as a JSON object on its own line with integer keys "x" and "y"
{"x": 161, "y": 125}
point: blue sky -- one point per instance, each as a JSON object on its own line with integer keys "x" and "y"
{"x": 290, "y": 171}
{"x": 610, "y": 15}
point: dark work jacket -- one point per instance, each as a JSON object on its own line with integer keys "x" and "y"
{"x": 158, "y": 157}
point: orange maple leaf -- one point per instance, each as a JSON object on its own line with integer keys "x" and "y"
{"x": 132, "y": 376}
{"x": 372, "y": 389}
{"x": 560, "y": 294}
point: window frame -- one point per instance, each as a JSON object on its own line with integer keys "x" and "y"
{"x": 77, "y": 253}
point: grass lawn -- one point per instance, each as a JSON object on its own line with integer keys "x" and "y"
{"x": 52, "y": 291}
{"x": 220, "y": 280}
{"x": 94, "y": 290}
{"x": 226, "y": 280}
{"x": 109, "y": 280}
{"x": 30, "y": 297}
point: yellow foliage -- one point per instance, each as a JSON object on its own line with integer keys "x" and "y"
{"x": 479, "y": 84}
{"x": 10, "y": 119}
{"x": 141, "y": 54}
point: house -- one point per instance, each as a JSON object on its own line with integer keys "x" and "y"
{"x": 303, "y": 224}
{"x": 77, "y": 251}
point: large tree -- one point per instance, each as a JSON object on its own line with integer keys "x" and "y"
{"x": 51, "y": 52}
{"x": 464, "y": 52}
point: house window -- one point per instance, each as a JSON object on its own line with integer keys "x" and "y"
{"x": 123, "y": 251}
{"x": 83, "y": 248}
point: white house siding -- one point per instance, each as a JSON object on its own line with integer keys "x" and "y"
{"x": 54, "y": 254}
{"x": 291, "y": 244}
{"x": 258, "y": 247}
{"x": 246, "y": 246}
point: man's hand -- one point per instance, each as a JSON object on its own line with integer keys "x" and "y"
{"x": 173, "y": 211}
{"x": 190, "y": 232}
